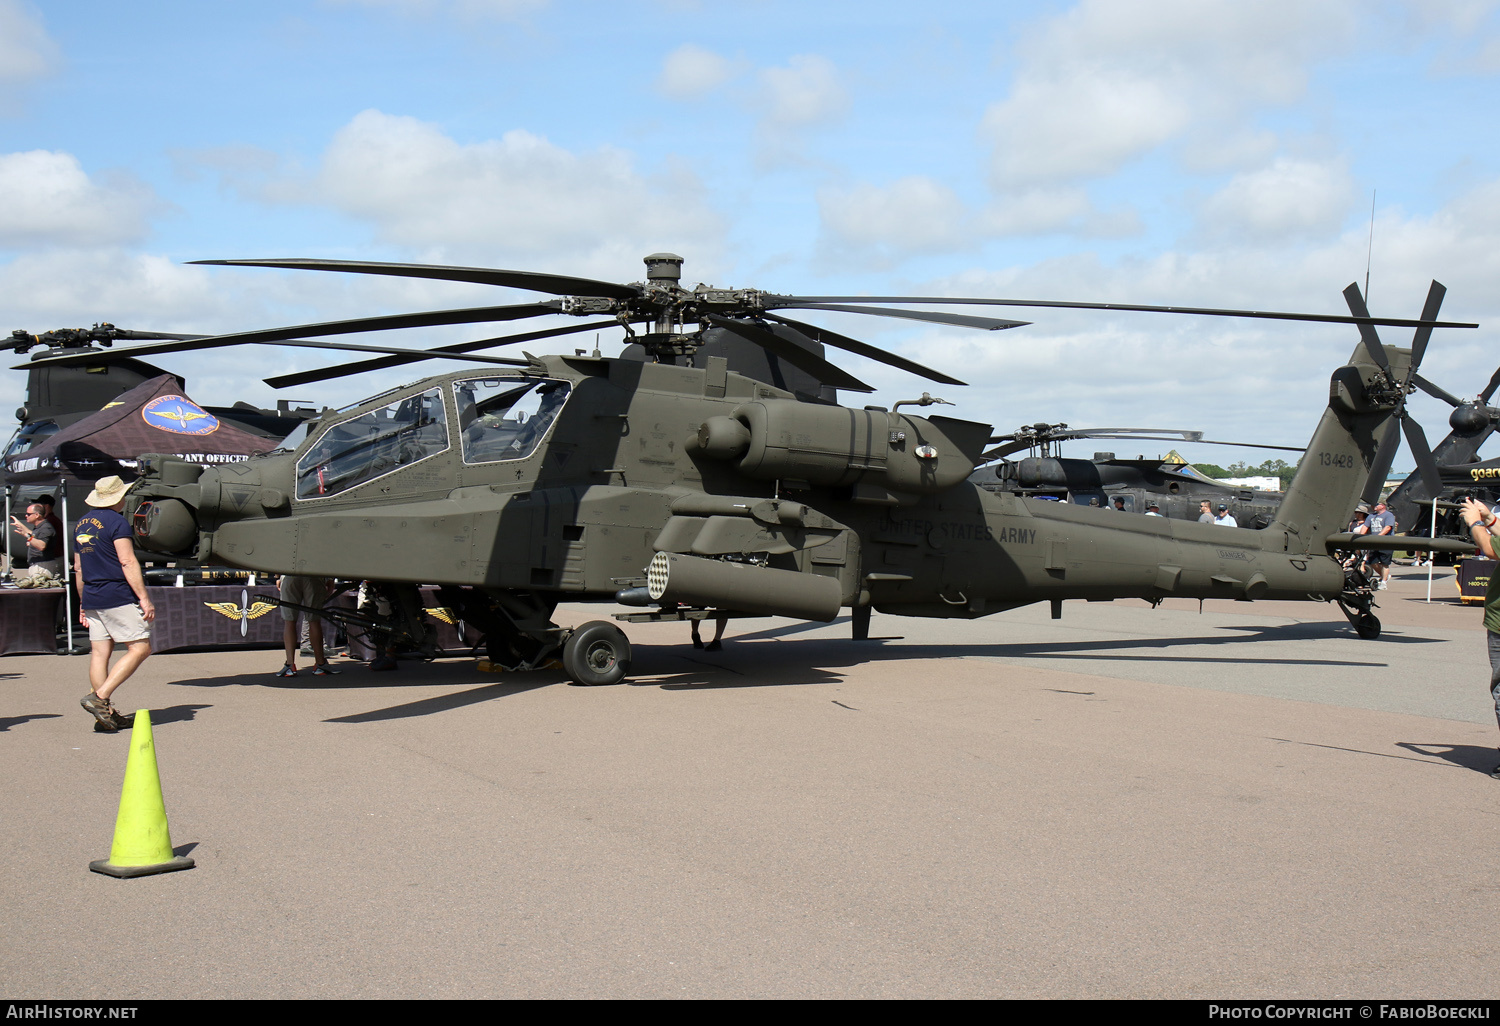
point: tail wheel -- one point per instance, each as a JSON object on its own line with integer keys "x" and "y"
{"x": 597, "y": 653}
{"x": 1367, "y": 626}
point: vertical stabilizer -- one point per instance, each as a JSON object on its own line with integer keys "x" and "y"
{"x": 1362, "y": 405}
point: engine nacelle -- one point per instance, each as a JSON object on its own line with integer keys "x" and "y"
{"x": 831, "y": 446}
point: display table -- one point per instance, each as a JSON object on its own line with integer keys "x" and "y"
{"x": 1473, "y": 579}
{"x": 214, "y": 616}
{"x": 28, "y": 620}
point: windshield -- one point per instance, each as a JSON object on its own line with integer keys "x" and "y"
{"x": 505, "y": 418}
{"x": 30, "y": 435}
{"x": 373, "y": 444}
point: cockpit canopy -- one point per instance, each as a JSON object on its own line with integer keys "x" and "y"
{"x": 495, "y": 419}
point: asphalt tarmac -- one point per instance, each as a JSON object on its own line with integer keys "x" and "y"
{"x": 1243, "y": 802}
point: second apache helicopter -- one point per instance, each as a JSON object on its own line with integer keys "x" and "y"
{"x": 1175, "y": 487}
{"x": 695, "y": 488}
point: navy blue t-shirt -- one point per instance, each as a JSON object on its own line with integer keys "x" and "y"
{"x": 104, "y": 583}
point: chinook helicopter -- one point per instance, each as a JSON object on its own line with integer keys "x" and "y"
{"x": 678, "y": 485}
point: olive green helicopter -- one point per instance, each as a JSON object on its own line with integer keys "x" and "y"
{"x": 709, "y": 470}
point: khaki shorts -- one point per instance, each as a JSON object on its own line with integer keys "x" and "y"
{"x": 123, "y": 624}
{"x": 305, "y": 591}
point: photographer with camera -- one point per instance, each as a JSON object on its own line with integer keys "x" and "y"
{"x": 1483, "y": 525}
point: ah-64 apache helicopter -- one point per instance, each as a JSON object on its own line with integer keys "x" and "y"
{"x": 672, "y": 480}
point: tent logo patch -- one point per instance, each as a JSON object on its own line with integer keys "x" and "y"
{"x": 179, "y": 415}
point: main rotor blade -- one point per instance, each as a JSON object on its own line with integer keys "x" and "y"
{"x": 359, "y": 324}
{"x": 442, "y": 352}
{"x": 773, "y": 301}
{"x": 1489, "y": 389}
{"x": 1419, "y": 340}
{"x": 833, "y": 338}
{"x": 1367, "y": 333}
{"x": 1440, "y": 393}
{"x": 961, "y": 320}
{"x": 1416, "y": 440}
{"x": 792, "y": 353}
{"x": 556, "y": 284}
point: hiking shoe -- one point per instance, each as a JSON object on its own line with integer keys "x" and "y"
{"x": 101, "y": 710}
{"x": 287, "y": 671}
{"x": 323, "y": 670}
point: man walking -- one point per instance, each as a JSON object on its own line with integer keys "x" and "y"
{"x": 116, "y": 606}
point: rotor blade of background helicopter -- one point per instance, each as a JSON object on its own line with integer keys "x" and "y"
{"x": 380, "y": 363}
{"x": 1385, "y": 453}
{"x": 1005, "y": 450}
{"x": 1489, "y": 389}
{"x": 961, "y": 320}
{"x": 1437, "y": 392}
{"x": 1367, "y": 333}
{"x": 556, "y": 284}
{"x": 360, "y": 324}
{"x": 307, "y": 344}
{"x": 833, "y": 338}
{"x": 1416, "y": 440}
{"x": 792, "y": 353}
{"x": 1423, "y": 334}
{"x": 772, "y": 301}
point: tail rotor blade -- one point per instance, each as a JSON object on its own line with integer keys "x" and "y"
{"x": 1438, "y": 392}
{"x": 1367, "y": 333}
{"x": 1423, "y": 334}
{"x": 1381, "y": 466}
{"x": 1416, "y": 440}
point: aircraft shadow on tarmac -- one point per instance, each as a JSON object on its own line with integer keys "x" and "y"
{"x": 1469, "y": 757}
{"x": 456, "y": 700}
{"x": 747, "y": 661}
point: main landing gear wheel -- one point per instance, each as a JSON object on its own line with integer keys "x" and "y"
{"x": 597, "y": 653}
{"x": 1367, "y": 626}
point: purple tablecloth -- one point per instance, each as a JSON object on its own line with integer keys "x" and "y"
{"x": 214, "y": 616}
{"x": 28, "y": 620}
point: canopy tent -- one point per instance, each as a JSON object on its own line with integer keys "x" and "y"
{"x": 153, "y": 417}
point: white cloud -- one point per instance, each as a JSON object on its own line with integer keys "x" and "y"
{"x": 50, "y": 200}
{"x": 516, "y": 197}
{"x": 691, "y": 72}
{"x": 913, "y": 214}
{"x": 1290, "y": 199}
{"x": 26, "y": 51}
{"x": 1106, "y": 82}
{"x": 806, "y": 91}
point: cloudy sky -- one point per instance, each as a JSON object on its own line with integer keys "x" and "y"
{"x": 1186, "y": 152}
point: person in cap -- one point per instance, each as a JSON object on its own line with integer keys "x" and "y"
{"x": 1153, "y": 510}
{"x": 1225, "y": 518}
{"x": 116, "y": 607}
{"x": 1381, "y": 521}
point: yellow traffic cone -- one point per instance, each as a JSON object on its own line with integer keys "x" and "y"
{"x": 142, "y": 844}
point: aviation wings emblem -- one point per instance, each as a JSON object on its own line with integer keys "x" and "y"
{"x": 244, "y": 612}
